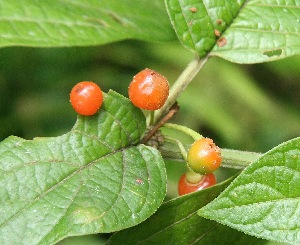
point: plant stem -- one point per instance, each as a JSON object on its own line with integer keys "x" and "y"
{"x": 151, "y": 118}
{"x": 183, "y": 80}
{"x": 193, "y": 177}
{"x": 180, "y": 146}
{"x": 238, "y": 159}
{"x": 167, "y": 117}
{"x": 185, "y": 130}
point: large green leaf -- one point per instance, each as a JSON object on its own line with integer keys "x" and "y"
{"x": 75, "y": 22}
{"x": 237, "y": 30}
{"x": 263, "y": 200}
{"x": 93, "y": 179}
{"x": 177, "y": 222}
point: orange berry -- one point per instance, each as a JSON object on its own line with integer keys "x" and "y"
{"x": 204, "y": 156}
{"x": 148, "y": 90}
{"x": 185, "y": 187}
{"x": 86, "y": 98}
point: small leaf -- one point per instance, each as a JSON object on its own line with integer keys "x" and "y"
{"x": 93, "y": 179}
{"x": 177, "y": 222}
{"x": 68, "y": 23}
{"x": 263, "y": 200}
{"x": 239, "y": 31}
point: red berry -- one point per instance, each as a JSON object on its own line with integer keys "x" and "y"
{"x": 86, "y": 98}
{"x": 185, "y": 187}
{"x": 204, "y": 156}
{"x": 148, "y": 90}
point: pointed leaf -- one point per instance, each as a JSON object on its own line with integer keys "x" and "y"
{"x": 177, "y": 222}
{"x": 263, "y": 200}
{"x": 90, "y": 180}
{"x": 69, "y": 23}
{"x": 240, "y": 31}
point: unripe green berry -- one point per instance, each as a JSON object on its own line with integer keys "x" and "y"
{"x": 204, "y": 156}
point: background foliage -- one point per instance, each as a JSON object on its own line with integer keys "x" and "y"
{"x": 253, "y": 111}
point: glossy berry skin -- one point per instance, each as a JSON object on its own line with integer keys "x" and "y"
{"x": 204, "y": 156}
{"x": 184, "y": 187}
{"x": 148, "y": 90}
{"x": 86, "y": 98}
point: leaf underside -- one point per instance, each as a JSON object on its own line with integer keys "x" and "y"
{"x": 93, "y": 179}
{"x": 263, "y": 200}
{"x": 73, "y": 23}
{"x": 237, "y": 30}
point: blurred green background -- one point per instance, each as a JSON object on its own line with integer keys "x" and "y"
{"x": 245, "y": 107}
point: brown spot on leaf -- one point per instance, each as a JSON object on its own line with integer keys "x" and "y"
{"x": 139, "y": 181}
{"x": 222, "y": 42}
{"x": 217, "y": 33}
{"x": 193, "y": 9}
{"x": 219, "y": 22}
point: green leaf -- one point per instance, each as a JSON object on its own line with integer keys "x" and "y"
{"x": 89, "y": 22}
{"x": 240, "y": 31}
{"x": 263, "y": 200}
{"x": 93, "y": 179}
{"x": 177, "y": 222}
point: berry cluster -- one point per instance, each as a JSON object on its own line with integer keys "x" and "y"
{"x": 148, "y": 90}
{"x": 203, "y": 158}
